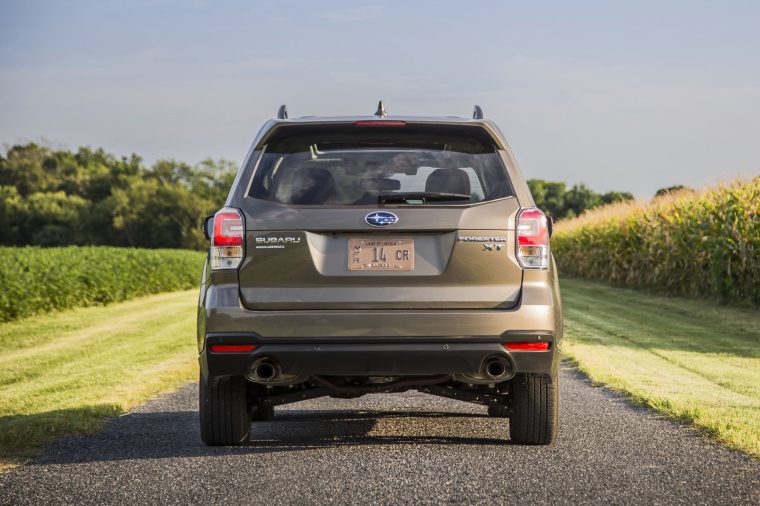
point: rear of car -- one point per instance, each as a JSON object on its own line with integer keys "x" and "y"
{"x": 379, "y": 254}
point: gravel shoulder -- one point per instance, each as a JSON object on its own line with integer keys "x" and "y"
{"x": 392, "y": 449}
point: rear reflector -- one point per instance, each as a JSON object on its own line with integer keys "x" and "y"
{"x": 380, "y": 123}
{"x": 527, "y": 346}
{"x": 232, "y": 348}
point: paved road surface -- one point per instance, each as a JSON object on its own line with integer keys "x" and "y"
{"x": 390, "y": 449}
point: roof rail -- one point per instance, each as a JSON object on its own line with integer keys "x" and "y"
{"x": 380, "y": 110}
{"x": 477, "y": 113}
{"x": 282, "y": 113}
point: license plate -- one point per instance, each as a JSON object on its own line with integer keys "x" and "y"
{"x": 368, "y": 254}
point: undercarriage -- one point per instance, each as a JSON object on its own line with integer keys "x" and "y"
{"x": 493, "y": 394}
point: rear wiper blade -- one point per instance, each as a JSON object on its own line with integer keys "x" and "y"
{"x": 423, "y": 197}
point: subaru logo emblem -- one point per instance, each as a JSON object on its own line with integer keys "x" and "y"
{"x": 381, "y": 219}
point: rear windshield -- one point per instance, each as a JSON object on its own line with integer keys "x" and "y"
{"x": 325, "y": 165}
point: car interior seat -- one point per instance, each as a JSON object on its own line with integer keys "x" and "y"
{"x": 312, "y": 186}
{"x": 448, "y": 181}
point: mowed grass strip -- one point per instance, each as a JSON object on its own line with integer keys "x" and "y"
{"x": 63, "y": 373}
{"x": 690, "y": 359}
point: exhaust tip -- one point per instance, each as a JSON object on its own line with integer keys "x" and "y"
{"x": 264, "y": 370}
{"x": 498, "y": 369}
{"x": 495, "y": 369}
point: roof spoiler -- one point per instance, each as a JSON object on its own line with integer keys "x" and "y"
{"x": 282, "y": 113}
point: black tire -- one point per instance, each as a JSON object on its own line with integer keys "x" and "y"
{"x": 225, "y": 412}
{"x": 535, "y": 410}
{"x": 262, "y": 413}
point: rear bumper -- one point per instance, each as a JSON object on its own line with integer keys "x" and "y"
{"x": 378, "y": 356}
{"x": 381, "y": 342}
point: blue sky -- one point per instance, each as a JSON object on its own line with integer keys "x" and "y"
{"x": 620, "y": 95}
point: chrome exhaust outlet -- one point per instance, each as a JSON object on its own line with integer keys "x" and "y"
{"x": 493, "y": 369}
{"x": 267, "y": 371}
{"x": 264, "y": 370}
{"x": 497, "y": 369}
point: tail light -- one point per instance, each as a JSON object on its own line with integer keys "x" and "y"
{"x": 532, "y": 239}
{"x": 227, "y": 239}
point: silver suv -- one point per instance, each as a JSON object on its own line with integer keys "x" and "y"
{"x": 372, "y": 254}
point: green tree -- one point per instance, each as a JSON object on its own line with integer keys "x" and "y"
{"x": 549, "y": 196}
{"x": 612, "y": 197}
{"x": 155, "y": 214}
{"x": 23, "y": 169}
{"x": 13, "y": 216}
{"x": 580, "y": 198}
{"x": 559, "y": 202}
{"x": 55, "y": 197}
{"x": 213, "y": 179}
{"x": 671, "y": 189}
{"x": 55, "y": 219}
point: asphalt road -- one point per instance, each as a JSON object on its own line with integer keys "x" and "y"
{"x": 390, "y": 449}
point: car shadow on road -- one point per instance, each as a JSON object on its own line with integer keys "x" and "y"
{"x": 175, "y": 434}
{"x": 296, "y": 430}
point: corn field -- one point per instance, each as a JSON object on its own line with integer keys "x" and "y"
{"x": 36, "y": 280}
{"x": 698, "y": 244}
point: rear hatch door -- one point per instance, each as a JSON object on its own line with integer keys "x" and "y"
{"x": 431, "y": 258}
{"x": 404, "y": 215}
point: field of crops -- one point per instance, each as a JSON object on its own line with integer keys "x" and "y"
{"x": 37, "y": 280}
{"x": 699, "y": 244}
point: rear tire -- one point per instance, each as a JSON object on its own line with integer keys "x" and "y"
{"x": 225, "y": 412}
{"x": 535, "y": 410}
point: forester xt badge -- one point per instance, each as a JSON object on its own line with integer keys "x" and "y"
{"x": 275, "y": 242}
{"x": 489, "y": 243}
{"x": 380, "y": 219}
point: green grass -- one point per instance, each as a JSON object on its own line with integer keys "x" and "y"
{"x": 62, "y": 373}
{"x": 690, "y": 359}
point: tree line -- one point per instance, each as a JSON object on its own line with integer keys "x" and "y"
{"x": 90, "y": 197}
{"x": 560, "y": 202}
